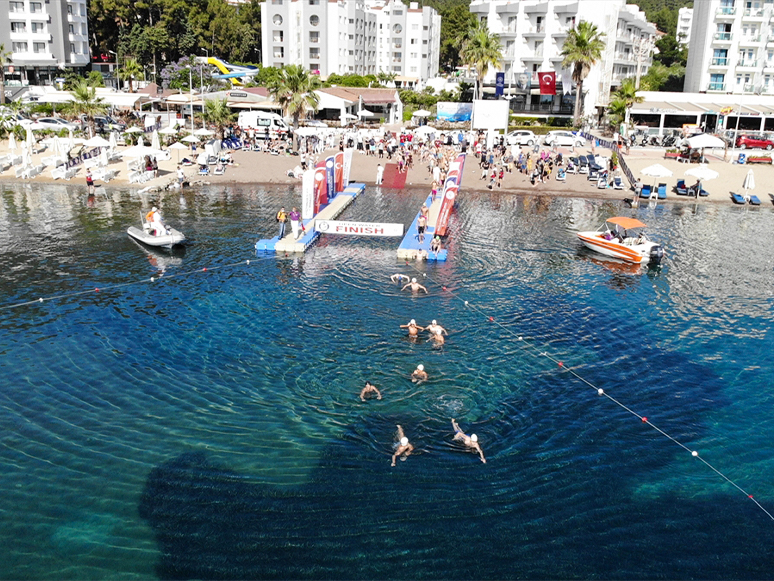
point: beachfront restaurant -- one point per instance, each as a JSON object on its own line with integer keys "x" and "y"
{"x": 664, "y": 113}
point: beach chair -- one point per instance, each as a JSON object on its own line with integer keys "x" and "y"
{"x": 618, "y": 183}
{"x": 220, "y": 169}
{"x": 583, "y": 164}
{"x": 681, "y": 188}
{"x": 592, "y": 175}
{"x": 738, "y": 199}
{"x": 561, "y": 175}
{"x": 602, "y": 182}
{"x": 754, "y": 200}
{"x": 662, "y": 193}
{"x": 646, "y": 191}
{"x": 204, "y": 170}
{"x": 703, "y": 193}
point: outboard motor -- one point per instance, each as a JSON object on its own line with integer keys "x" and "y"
{"x": 656, "y": 254}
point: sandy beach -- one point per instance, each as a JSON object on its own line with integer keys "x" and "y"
{"x": 252, "y": 167}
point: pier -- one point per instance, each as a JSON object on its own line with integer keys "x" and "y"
{"x": 411, "y": 246}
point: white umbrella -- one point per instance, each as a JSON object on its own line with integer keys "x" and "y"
{"x": 30, "y": 139}
{"x": 140, "y": 151}
{"x": 425, "y": 129}
{"x": 70, "y": 141}
{"x": 204, "y": 132}
{"x": 103, "y": 157}
{"x": 422, "y": 113}
{"x": 704, "y": 140}
{"x": 96, "y": 141}
{"x": 12, "y": 141}
{"x": 190, "y": 139}
{"x": 202, "y": 159}
{"x": 304, "y": 131}
{"x": 140, "y": 142}
{"x": 26, "y": 155}
{"x": 749, "y": 184}
{"x": 134, "y": 130}
{"x": 171, "y": 130}
{"x": 365, "y": 113}
{"x": 178, "y": 146}
{"x": 155, "y": 141}
{"x": 656, "y": 171}
{"x": 113, "y": 140}
{"x": 702, "y": 172}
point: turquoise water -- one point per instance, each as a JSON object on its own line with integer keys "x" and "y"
{"x": 208, "y": 425}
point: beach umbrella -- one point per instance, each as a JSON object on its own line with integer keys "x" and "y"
{"x": 155, "y": 141}
{"x": 26, "y": 155}
{"x": 12, "y": 141}
{"x": 96, "y": 141}
{"x": 749, "y": 184}
{"x": 178, "y": 146}
{"x": 656, "y": 171}
{"x": 422, "y": 113}
{"x": 70, "y": 140}
{"x": 30, "y": 139}
{"x": 140, "y": 151}
{"x": 170, "y": 130}
{"x": 365, "y": 113}
{"x": 103, "y": 157}
{"x": 190, "y": 139}
{"x": 113, "y": 140}
{"x": 702, "y": 172}
{"x": 140, "y": 141}
{"x": 202, "y": 159}
{"x": 204, "y": 132}
{"x": 704, "y": 140}
{"x": 134, "y": 130}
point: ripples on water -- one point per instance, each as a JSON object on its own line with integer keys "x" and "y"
{"x": 208, "y": 425}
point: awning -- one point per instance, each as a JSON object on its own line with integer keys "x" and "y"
{"x": 328, "y": 101}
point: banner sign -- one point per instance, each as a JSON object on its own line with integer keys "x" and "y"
{"x": 347, "y": 165}
{"x": 357, "y": 228}
{"x": 454, "y": 112}
{"x": 320, "y": 189}
{"x": 450, "y": 189}
{"x": 330, "y": 164}
{"x": 499, "y": 84}
{"x": 307, "y": 195}
{"x": 338, "y": 172}
{"x": 547, "y": 83}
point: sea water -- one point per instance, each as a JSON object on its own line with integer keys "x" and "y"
{"x": 206, "y": 423}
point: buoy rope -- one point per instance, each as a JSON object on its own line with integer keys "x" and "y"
{"x": 165, "y": 276}
{"x": 527, "y": 346}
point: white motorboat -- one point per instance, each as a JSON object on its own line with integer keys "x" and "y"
{"x": 623, "y": 238}
{"x": 148, "y": 236}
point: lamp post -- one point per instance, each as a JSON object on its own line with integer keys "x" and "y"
{"x": 190, "y": 97}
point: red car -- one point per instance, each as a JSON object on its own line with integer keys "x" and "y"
{"x": 745, "y": 141}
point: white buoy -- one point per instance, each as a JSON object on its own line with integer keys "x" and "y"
{"x": 423, "y": 274}
{"x": 248, "y": 262}
{"x": 694, "y": 453}
{"x": 40, "y": 299}
{"x": 520, "y": 338}
{"x": 466, "y": 303}
{"x": 153, "y": 279}
{"x": 600, "y": 391}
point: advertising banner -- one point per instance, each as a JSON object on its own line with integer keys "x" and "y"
{"x": 499, "y": 84}
{"x": 347, "y": 165}
{"x": 450, "y": 189}
{"x": 338, "y": 172}
{"x": 454, "y": 112}
{"x": 320, "y": 189}
{"x": 307, "y": 194}
{"x": 358, "y": 228}
{"x": 330, "y": 178}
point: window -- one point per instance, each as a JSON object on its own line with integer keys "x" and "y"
{"x": 424, "y": 42}
{"x": 72, "y": 48}
{"x": 314, "y": 20}
{"x": 38, "y": 27}
{"x": 314, "y": 2}
{"x": 18, "y": 27}
{"x": 71, "y": 28}
{"x": 277, "y": 2}
{"x": 397, "y": 29}
{"x": 424, "y": 56}
{"x": 314, "y": 67}
{"x": 398, "y": 12}
{"x": 352, "y": 21}
{"x": 351, "y": 36}
{"x": 314, "y": 53}
{"x": 70, "y": 9}
{"x": 413, "y": 55}
{"x": 314, "y": 36}
{"x": 36, "y": 7}
{"x": 39, "y": 47}
{"x": 279, "y": 52}
{"x": 278, "y": 64}
{"x": 83, "y": 11}
{"x": 413, "y": 41}
{"x": 278, "y": 36}
{"x": 717, "y": 82}
{"x": 83, "y": 29}
{"x": 424, "y": 28}
{"x": 17, "y": 7}
{"x": 19, "y": 47}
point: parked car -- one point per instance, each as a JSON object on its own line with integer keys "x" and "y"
{"x": 750, "y": 141}
{"x": 8, "y": 118}
{"x": 564, "y": 138}
{"x": 522, "y": 137}
{"x": 107, "y": 123}
{"x": 53, "y": 123}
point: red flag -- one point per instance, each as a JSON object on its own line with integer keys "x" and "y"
{"x": 338, "y": 171}
{"x": 320, "y": 189}
{"x": 547, "y": 83}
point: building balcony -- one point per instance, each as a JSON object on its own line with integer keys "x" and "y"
{"x": 505, "y": 8}
{"x": 567, "y": 8}
{"x": 768, "y": 64}
{"x": 716, "y": 87}
{"x": 749, "y": 40}
{"x": 719, "y": 62}
{"x": 540, "y": 8}
{"x": 536, "y": 31}
{"x": 723, "y": 37}
{"x": 749, "y": 64}
{"x": 624, "y": 57}
{"x": 482, "y": 9}
{"x": 725, "y": 12}
{"x": 752, "y": 13}
{"x": 561, "y": 33}
{"x": 533, "y": 57}
{"x": 748, "y": 88}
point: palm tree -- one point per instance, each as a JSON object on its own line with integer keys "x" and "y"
{"x": 582, "y": 49}
{"x": 85, "y": 102}
{"x": 617, "y": 110}
{"x": 627, "y": 92}
{"x": 294, "y": 89}
{"x": 217, "y": 112}
{"x": 480, "y": 50}
{"x": 5, "y": 57}
{"x": 129, "y": 71}
{"x": 385, "y": 78}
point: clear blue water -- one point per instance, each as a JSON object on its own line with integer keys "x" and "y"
{"x": 207, "y": 425}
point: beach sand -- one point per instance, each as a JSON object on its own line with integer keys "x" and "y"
{"x": 252, "y": 167}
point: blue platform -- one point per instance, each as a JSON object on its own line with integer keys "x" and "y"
{"x": 411, "y": 245}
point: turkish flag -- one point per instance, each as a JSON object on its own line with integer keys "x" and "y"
{"x": 547, "y": 83}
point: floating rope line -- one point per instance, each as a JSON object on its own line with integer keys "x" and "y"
{"x": 125, "y": 284}
{"x": 601, "y": 392}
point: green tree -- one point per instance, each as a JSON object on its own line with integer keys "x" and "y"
{"x": 670, "y": 52}
{"x": 130, "y": 71}
{"x": 453, "y": 20}
{"x": 627, "y": 93}
{"x": 5, "y": 57}
{"x": 294, "y": 91}
{"x": 480, "y": 51}
{"x": 386, "y": 78}
{"x": 85, "y": 102}
{"x": 217, "y": 112}
{"x": 95, "y": 79}
{"x": 582, "y": 50}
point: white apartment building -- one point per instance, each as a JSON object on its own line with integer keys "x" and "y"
{"x": 533, "y": 32}
{"x": 352, "y": 37}
{"x": 732, "y": 47}
{"x": 684, "y": 23}
{"x": 44, "y": 37}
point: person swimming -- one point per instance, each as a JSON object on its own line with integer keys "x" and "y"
{"x": 404, "y": 448}
{"x": 470, "y": 441}
{"x": 369, "y": 388}
{"x": 435, "y": 327}
{"x": 437, "y": 337}
{"x": 413, "y": 328}
{"x": 399, "y": 278}
{"x": 415, "y": 286}
{"x": 419, "y": 374}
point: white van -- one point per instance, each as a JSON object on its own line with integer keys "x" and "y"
{"x": 260, "y": 121}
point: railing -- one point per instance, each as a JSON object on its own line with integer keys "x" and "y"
{"x": 747, "y": 64}
{"x": 748, "y": 88}
{"x": 750, "y": 39}
{"x": 545, "y": 107}
{"x": 725, "y": 36}
{"x": 625, "y": 56}
{"x": 716, "y": 87}
{"x": 719, "y": 62}
{"x": 753, "y": 12}
{"x": 726, "y": 11}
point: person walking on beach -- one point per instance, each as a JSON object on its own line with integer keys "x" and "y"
{"x": 415, "y": 286}
{"x": 282, "y": 218}
{"x": 295, "y": 222}
{"x": 89, "y": 182}
{"x": 369, "y": 388}
{"x": 403, "y": 447}
{"x": 470, "y": 441}
{"x": 413, "y": 328}
{"x": 379, "y": 174}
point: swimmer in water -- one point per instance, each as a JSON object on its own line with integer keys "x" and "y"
{"x": 413, "y": 328}
{"x": 419, "y": 374}
{"x": 399, "y": 278}
{"x": 369, "y": 387}
{"x": 470, "y": 441}
{"x": 434, "y": 327}
{"x": 404, "y": 447}
{"x": 415, "y": 286}
{"x": 437, "y": 337}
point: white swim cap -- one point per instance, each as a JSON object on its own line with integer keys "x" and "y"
{"x": 474, "y": 438}
{"x": 413, "y": 280}
{"x": 403, "y": 441}
{"x": 154, "y": 209}
{"x": 434, "y": 323}
{"x": 421, "y": 367}
{"x": 412, "y": 322}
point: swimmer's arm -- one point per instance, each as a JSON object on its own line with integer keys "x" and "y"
{"x": 394, "y": 456}
{"x": 405, "y": 286}
{"x": 378, "y": 394}
{"x": 481, "y": 453}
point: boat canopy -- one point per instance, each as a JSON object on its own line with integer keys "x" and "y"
{"x": 626, "y": 223}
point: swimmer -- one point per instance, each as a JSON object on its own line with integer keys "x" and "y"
{"x": 413, "y": 328}
{"x": 470, "y": 441}
{"x": 434, "y": 327}
{"x": 404, "y": 447}
{"x": 415, "y": 286}
{"x": 437, "y": 337}
{"x": 399, "y": 278}
{"x": 419, "y": 374}
{"x": 369, "y": 387}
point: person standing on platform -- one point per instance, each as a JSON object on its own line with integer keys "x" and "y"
{"x": 470, "y": 441}
{"x": 421, "y": 223}
{"x": 403, "y": 447}
{"x": 369, "y": 387}
{"x": 435, "y": 246}
{"x": 379, "y": 174}
{"x": 295, "y": 222}
{"x": 282, "y": 218}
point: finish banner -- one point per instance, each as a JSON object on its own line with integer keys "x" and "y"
{"x": 330, "y": 178}
{"x": 307, "y": 194}
{"x": 358, "y": 228}
{"x": 347, "y": 165}
{"x": 320, "y": 189}
{"x": 338, "y": 172}
{"x": 450, "y": 189}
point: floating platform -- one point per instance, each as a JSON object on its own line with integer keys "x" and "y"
{"x": 329, "y": 212}
{"x": 411, "y": 245}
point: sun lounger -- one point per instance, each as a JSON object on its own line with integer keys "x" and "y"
{"x": 646, "y": 191}
{"x": 662, "y": 194}
{"x": 70, "y": 173}
{"x": 738, "y": 199}
{"x": 602, "y": 182}
{"x": 681, "y": 189}
{"x": 561, "y": 175}
{"x": 754, "y": 200}
{"x": 618, "y": 183}
{"x": 109, "y": 175}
